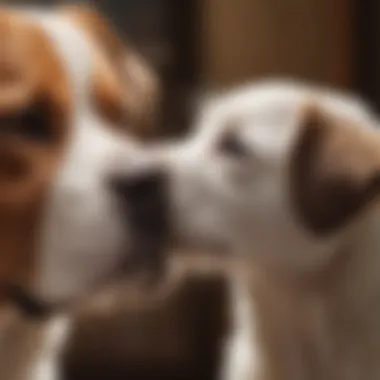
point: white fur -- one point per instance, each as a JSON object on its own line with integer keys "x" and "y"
{"x": 243, "y": 205}
{"x": 52, "y": 343}
{"x": 241, "y": 358}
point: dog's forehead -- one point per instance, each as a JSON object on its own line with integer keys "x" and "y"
{"x": 264, "y": 117}
{"x": 269, "y": 115}
{"x": 282, "y": 101}
{"x": 26, "y": 32}
{"x": 71, "y": 45}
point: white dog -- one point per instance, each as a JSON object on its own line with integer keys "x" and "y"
{"x": 286, "y": 176}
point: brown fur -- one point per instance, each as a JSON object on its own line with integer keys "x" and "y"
{"x": 125, "y": 89}
{"x": 31, "y": 72}
{"x": 336, "y": 171}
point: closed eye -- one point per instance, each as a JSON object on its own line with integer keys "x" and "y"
{"x": 232, "y": 146}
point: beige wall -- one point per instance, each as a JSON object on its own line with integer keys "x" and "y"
{"x": 253, "y": 38}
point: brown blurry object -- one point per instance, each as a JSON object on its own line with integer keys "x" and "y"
{"x": 125, "y": 88}
{"x": 245, "y": 39}
{"x": 175, "y": 332}
{"x": 32, "y": 82}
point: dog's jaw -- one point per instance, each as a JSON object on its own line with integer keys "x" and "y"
{"x": 84, "y": 235}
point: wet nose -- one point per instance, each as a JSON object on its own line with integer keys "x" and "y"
{"x": 144, "y": 198}
{"x": 138, "y": 186}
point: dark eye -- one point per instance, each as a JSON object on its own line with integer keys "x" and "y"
{"x": 36, "y": 124}
{"x": 232, "y": 146}
{"x": 33, "y": 124}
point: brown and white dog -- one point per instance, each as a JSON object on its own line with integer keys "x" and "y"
{"x": 286, "y": 176}
{"x": 66, "y": 84}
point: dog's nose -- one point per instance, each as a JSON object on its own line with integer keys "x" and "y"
{"x": 140, "y": 186}
{"x": 144, "y": 198}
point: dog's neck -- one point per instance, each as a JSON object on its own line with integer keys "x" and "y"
{"x": 29, "y": 349}
{"x": 322, "y": 326}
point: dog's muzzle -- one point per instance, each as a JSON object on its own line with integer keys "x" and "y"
{"x": 145, "y": 201}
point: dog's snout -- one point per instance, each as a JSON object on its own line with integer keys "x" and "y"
{"x": 144, "y": 197}
{"x": 139, "y": 186}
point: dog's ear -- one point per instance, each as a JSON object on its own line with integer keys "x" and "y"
{"x": 125, "y": 88}
{"x": 335, "y": 171}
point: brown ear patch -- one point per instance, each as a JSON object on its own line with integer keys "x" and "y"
{"x": 335, "y": 171}
{"x": 125, "y": 88}
{"x": 107, "y": 91}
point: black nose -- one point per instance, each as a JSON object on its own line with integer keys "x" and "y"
{"x": 139, "y": 186}
{"x": 144, "y": 199}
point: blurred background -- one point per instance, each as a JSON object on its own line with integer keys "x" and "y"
{"x": 211, "y": 44}
{"x": 217, "y": 43}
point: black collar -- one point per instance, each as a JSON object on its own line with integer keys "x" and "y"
{"x": 29, "y": 306}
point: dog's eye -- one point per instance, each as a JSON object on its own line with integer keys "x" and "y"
{"x": 232, "y": 146}
{"x": 32, "y": 124}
